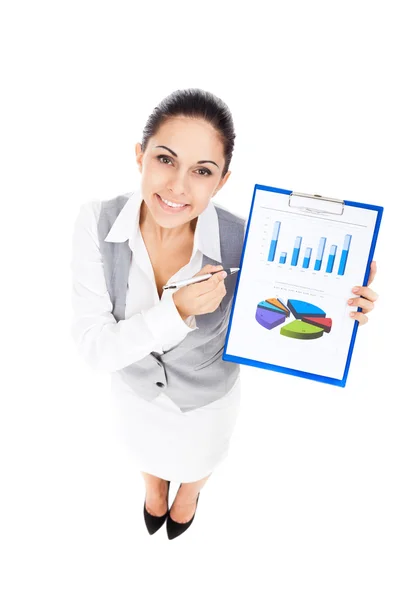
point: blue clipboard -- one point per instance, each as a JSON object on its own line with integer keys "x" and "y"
{"x": 280, "y": 369}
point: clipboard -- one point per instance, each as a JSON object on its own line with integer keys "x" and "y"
{"x": 263, "y": 323}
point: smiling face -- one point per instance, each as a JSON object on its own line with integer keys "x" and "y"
{"x": 183, "y": 164}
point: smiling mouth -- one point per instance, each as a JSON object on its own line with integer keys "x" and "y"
{"x": 170, "y": 208}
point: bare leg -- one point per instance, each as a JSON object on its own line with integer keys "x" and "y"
{"x": 184, "y": 505}
{"x": 156, "y": 494}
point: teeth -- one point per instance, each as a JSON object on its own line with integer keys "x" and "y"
{"x": 172, "y": 203}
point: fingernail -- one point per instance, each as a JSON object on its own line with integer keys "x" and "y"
{"x": 350, "y": 301}
{"x": 355, "y": 289}
{"x": 353, "y": 315}
{"x": 224, "y": 274}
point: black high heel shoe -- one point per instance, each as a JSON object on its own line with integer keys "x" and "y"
{"x": 174, "y": 528}
{"x": 153, "y": 523}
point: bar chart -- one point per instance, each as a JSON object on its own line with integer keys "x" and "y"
{"x": 324, "y": 261}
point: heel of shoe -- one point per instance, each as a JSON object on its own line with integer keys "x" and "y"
{"x": 174, "y": 528}
{"x": 153, "y": 523}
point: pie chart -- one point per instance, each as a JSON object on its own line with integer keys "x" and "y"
{"x": 310, "y": 321}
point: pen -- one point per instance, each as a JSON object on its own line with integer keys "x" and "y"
{"x": 178, "y": 284}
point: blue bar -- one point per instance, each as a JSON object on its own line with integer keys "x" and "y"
{"x": 331, "y": 259}
{"x": 282, "y": 259}
{"x": 296, "y": 251}
{"x": 274, "y": 241}
{"x": 320, "y": 254}
{"x": 307, "y": 256}
{"x": 345, "y": 253}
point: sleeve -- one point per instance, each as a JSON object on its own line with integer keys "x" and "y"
{"x": 104, "y": 343}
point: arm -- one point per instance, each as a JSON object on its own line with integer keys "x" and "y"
{"x": 104, "y": 343}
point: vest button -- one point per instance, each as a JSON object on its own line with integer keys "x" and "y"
{"x": 160, "y": 384}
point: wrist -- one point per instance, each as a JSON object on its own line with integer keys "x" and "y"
{"x": 183, "y": 316}
{"x": 181, "y": 313}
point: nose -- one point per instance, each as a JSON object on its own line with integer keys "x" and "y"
{"x": 177, "y": 185}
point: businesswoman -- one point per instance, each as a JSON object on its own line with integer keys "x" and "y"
{"x": 177, "y": 401}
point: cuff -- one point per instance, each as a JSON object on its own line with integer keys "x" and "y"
{"x": 165, "y": 322}
{"x": 191, "y": 322}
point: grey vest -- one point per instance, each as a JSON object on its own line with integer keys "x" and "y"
{"x": 193, "y": 373}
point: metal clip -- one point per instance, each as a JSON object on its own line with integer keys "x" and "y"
{"x": 317, "y": 199}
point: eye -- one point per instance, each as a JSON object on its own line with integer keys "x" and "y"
{"x": 167, "y": 157}
{"x": 205, "y": 171}
{"x": 160, "y": 158}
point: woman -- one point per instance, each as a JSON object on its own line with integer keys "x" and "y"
{"x": 176, "y": 398}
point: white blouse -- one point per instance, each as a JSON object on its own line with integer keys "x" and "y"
{"x": 151, "y": 324}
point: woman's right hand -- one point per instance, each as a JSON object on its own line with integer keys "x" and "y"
{"x": 201, "y": 297}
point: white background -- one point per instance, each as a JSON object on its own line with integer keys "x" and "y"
{"x": 306, "y": 504}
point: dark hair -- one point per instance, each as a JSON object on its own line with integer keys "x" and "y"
{"x": 196, "y": 103}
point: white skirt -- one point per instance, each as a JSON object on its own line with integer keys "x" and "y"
{"x": 167, "y": 443}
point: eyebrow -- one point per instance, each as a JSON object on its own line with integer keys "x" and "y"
{"x": 199, "y": 162}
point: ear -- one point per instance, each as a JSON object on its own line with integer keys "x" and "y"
{"x": 139, "y": 155}
{"x": 222, "y": 182}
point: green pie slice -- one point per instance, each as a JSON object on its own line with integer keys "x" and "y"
{"x": 302, "y": 331}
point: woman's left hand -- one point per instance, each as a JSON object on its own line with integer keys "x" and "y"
{"x": 366, "y": 299}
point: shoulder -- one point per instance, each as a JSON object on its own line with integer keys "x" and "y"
{"x": 114, "y": 204}
{"x": 88, "y": 215}
{"x": 227, "y": 215}
{"x": 94, "y": 212}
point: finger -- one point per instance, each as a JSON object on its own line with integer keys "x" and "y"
{"x": 211, "y": 297}
{"x": 216, "y": 270}
{"x": 222, "y": 288}
{"x": 360, "y": 317}
{"x": 220, "y": 291}
{"x": 220, "y": 279}
{"x": 366, "y": 305}
{"x": 366, "y": 293}
{"x": 210, "y": 269}
{"x": 372, "y": 272}
{"x": 205, "y": 287}
{"x": 216, "y": 278}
